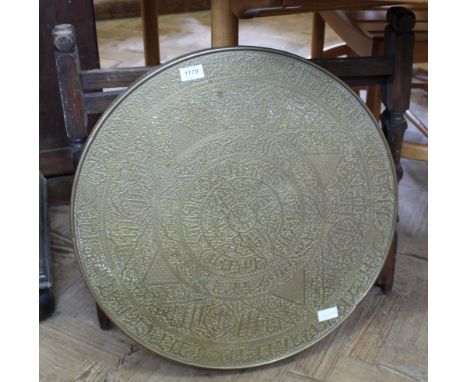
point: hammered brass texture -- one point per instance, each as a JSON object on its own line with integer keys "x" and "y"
{"x": 214, "y": 218}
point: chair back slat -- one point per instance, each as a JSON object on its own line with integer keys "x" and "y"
{"x": 358, "y": 68}
{"x": 111, "y": 78}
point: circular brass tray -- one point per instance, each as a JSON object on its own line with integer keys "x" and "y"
{"x": 236, "y": 217}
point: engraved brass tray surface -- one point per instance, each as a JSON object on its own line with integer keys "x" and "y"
{"x": 233, "y": 214}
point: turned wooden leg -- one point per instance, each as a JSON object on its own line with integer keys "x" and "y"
{"x": 104, "y": 322}
{"x": 318, "y": 35}
{"x": 393, "y": 126}
{"x": 385, "y": 279}
{"x": 398, "y": 46}
{"x": 224, "y": 25}
{"x": 67, "y": 61}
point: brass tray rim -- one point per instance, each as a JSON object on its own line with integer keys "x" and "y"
{"x": 145, "y": 78}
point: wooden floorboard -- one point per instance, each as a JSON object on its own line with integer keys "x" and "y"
{"x": 385, "y": 339}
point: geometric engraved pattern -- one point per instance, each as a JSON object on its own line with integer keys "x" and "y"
{"x": 213, "y": 218}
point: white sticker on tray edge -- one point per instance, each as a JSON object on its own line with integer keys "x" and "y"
{"x": 191, "y": 72}
{"x": 327, "y": 314}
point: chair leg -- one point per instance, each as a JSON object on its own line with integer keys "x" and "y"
{"x": 224, "y": 25}
{"x": 394, "y": 126}
{"x": 318, "y": 35}
{"x": 46, "y": 303}
{"x": 385, "y": 279}
{"x": 149, "y": 16}
{"x": 104, "y": 322}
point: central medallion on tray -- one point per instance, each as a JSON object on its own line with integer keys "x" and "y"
{"x": 242, "y": 219}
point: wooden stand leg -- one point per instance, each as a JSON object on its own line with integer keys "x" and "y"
{"x": 104, "y": 322}
{"x": 149, "y": 16}
{"x": 318, "y": 35}
{"x": 385, "y": 280}
{"x": 224, "y": 25}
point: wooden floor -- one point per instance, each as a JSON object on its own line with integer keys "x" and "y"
{"x": 385, "y": 339}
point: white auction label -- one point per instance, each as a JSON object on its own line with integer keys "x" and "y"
{"x": 191, "y": 72}
{"x": 327, "y": 314}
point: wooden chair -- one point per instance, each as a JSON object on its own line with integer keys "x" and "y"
{"x": 225, "y": 32}
{"x": 82, "y": 95}
{"x": 363, "y": 34}
{"x": 225, "y": 14}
